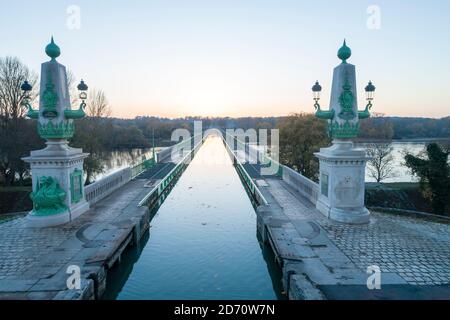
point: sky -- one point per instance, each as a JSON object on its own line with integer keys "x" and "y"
{"x": 176, "y": 58}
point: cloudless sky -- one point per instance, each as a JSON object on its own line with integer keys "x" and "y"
{"x": 239, "y": 58}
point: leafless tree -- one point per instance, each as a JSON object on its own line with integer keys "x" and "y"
{"x": 73, "y": 91}
{"x": 98, "y": 105}
{"x": 16, "y": 138}
{"x": 381, "y": 165}
{"x": 12, "y": 74}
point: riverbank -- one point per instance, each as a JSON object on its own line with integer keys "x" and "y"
{"x": 15, "y": 199}
{"x": 399, "y": 195}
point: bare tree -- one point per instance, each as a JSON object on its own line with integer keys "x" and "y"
{"x": 72, "y": 84}
{"x": 12, "y": 74}
{"x": 98, "y": 105}
{"x": 16, "y": 133}
{"x": 381, "y": 165}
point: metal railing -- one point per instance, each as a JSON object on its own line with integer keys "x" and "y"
{"x": 262, "y": 157}
{"x": 306, "y": 187}
{"x": 248, "y": 181}
{"x": 152, "y": 197}
{"x": 141, "y": 167}
{"x": 167, "y": 152}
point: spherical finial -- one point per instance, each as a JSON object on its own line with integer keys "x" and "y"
{"x": 344, "y": 53}
{"x": 52, "y": 50}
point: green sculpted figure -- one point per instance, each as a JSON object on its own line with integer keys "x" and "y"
{"x": 48, "y": 199}
{"x": 50, "y": 99}
{"x": 346, "y": 101}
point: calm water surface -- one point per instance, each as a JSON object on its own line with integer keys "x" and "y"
{"x": 202, "y": 243}
{"x": 401, "y": 173}
{"x": 116, "y": 160}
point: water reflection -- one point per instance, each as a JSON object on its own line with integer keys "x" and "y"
{"x": 202, "y": 242}
{"x": 119, "y": 159}
{"x": 118, "y": 275}
{"x": 401, "y": 173}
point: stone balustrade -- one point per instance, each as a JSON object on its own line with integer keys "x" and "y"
{"x": 307, "y": 188}
{"x": 105, "y": 186}
{"x": 164, "y": 154}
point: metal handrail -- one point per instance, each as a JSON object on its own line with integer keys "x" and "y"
{"x": 268, "y": 160}
{"x": 169, "y": 176}
{"x": 253, "y": 187}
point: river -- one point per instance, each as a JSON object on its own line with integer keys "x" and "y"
{"x": 401, "y": 173}
{"x": 119, "y": 159}
{"x": 116, "y": 160}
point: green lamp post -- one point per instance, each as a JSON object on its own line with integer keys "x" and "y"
{"x": 342, "y": 166}
{"x": 57, "y": 171}
{"x": 55, "y": 116}
{"x": 343, "y": 116}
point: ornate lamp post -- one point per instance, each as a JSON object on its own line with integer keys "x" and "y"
{"x": 342, "y": 167}
{"x": 57, "y": 171}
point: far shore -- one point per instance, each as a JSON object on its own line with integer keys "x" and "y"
{"x": 402, "y": 140}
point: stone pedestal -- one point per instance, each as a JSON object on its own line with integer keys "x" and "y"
{"x": 342, "y": 183}
{"x": 63, "y": 166}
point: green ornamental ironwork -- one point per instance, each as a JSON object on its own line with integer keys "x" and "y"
{"x": 346, "y": 102}
{"x": 62, "y": 130}
{"x": 51, "y": 125}
{"x": 336, "y": 127}
{"x": 344, "y": 130}
{"x": 52, "y": 50}
{"x": 26, "y": 87}
{"x": 48, "y": 198}
{"x": 76, "y": 185}
{"x": 50, "y": 99}
{"x": 370, "y": 89}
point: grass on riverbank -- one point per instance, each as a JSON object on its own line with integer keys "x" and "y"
{"x": 15, "y": 189}
{"x": 398, "y": 195}
{"x": 15, "y": 199}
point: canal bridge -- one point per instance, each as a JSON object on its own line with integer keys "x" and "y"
{"x": 315, "y": 257}
{"x": 204, "y": 229}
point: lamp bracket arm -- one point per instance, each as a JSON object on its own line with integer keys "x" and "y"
{"x": 366, "y": 113}
{"x": 31, "y": 113}
{"x": 322, "y": 114}
{"x": 76, "y": 114}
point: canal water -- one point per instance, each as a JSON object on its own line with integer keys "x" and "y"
{"x": 113, "y": 161}
{"x": 203, "y": 242}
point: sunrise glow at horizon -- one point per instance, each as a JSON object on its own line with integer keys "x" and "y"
{"x": 239, "y": 58}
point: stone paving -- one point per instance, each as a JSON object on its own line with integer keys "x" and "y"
{"x": 413, "y": 248}
{"x": 34, "y": 261}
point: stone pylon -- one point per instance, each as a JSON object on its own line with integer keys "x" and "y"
{"x": 57, "y": 171}
{"x": 342, "y": 166}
